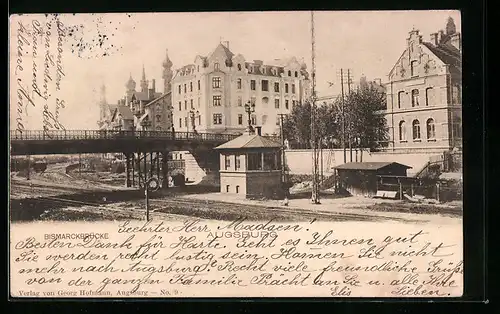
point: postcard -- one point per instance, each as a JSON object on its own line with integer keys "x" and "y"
{"x": 236, "y": 154}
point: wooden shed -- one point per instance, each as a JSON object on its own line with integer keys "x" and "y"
{"x": 360, "y": 178}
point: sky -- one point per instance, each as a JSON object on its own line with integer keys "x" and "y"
{"x": 106, "y": 49}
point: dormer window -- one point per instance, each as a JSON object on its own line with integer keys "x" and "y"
{"x": 274, "y": 71}
{"x": 262, "y": 70}
{"x": 239, "y": 66}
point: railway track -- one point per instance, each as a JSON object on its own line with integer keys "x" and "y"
{"x": 172, "y": 206}
{"x": 243, "y": 210}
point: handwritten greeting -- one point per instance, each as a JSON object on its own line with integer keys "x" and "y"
{"x": 39, "y": 88}
{"x": 195, "y": 258}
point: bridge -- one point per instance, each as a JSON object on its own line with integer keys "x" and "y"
{"x": 146, "y": 152}
{"x": 40, "y": 142}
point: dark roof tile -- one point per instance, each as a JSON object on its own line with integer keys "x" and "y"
{"x": 125, "y": 112}
{"x": 368, "y": 165}
{"x": 249, "y": 141}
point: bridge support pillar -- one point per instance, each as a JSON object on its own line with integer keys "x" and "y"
{"x": 164, "y": 169}
{"x": 129, "y": 169}
{"x": 144, "y": 174}
{"x": 132, "y": 166}
{"x": 157, "y": 166}
{"x": 150, "y": 164}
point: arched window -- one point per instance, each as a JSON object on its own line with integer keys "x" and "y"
{"x": 239, "y": 66}
{"x": 400, "y": 99}
{"x": 296, "y": 74}
{"x": 413, "y": 69}
{"x": 238, "y": 83}
{"x": 414, "y": 98}
{"x": 216, "y": 66}
{"x": 286, "y": 87}
{"x": 416, "y": 129}
{"x": 402, "y": 131}
{"x": 428, "y": 96}
{"x": 289, "y": 73}
{"x": 431, "y": 130}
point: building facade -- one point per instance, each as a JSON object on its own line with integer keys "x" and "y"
{"x": 210, "y": 94}
{"x": 424, "y": 105}
{"x": 144, "y": 110}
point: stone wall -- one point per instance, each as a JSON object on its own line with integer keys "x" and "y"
{"x": 299, "y": 161}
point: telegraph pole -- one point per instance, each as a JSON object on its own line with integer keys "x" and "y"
{"x": 349, "y": 82}
{"x": 349, "y": 138}
{"x": 315, "y": 187}
{"x": 282, "y": 135}
{"x": 343, "y": 113}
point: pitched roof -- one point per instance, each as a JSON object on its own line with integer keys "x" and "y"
{"x": 249, "y": 141}
{"x": 446, "y": 54}
{"x": 144, "y": 96}
{"x": 158, "y": 98}
{"x": 125, "y": 112}
{"x": 368, "y": 165}
{"x": 225, "y": 50}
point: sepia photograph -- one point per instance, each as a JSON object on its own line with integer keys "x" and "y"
{"x": 226, "y": 154}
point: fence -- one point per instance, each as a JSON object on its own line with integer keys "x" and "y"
{"x": 110, "y": 134}
{"x": 440, "y": 190}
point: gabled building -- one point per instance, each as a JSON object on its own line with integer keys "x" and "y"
{"x": 210, "y": 94}
{"x": 424, "y": 104}
{"x": 122, "y": 119}
{"x": 150, "y": 109}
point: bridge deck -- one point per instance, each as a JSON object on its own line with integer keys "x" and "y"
{"x": 95, "y": 141}
{"x": 30, "y": 135}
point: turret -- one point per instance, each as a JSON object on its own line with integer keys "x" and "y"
{"x": 144, "y": 82}
{"x": 167, "y": 74}
{"x": 130, "y": 84}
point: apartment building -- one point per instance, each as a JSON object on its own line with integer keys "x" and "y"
{"x": 210, "y": 94}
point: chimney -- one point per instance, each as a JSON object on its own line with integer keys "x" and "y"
{"x": 153, "y": 85}
{"x": 440, "y": 37}
{"x": 434, "y": 39}
{"x": 258, "y": 130}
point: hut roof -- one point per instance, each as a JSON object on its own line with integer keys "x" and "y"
{"x": 249, "y": 141}
{"x": 368, "y": 165}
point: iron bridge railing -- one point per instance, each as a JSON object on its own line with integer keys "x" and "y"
{"x": 33, "y": 135}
